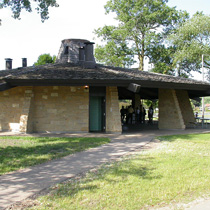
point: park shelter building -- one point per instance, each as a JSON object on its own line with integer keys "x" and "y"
{"x": 78, "y": 95}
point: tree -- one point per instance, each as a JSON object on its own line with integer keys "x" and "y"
{"x": 206, "y": 100}
{"x": 196, "y": 102}
{"x": 17, "y": 6}
{"x": 162, "y": 59}
{"x": 192, "y": 40}
{"x": 44, "y": 59}
{"x": 114, "y": 54}
{"x": 116, "y": 51}
{"x": 140, "y": 24}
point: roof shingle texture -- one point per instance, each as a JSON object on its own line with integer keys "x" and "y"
{"x": 69, "y": 71}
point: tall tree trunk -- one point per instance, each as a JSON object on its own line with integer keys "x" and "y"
{"x": 141, "y": 55}
{"x": 141, "y": 62}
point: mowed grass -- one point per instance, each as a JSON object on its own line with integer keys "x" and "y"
{"x": 21, "y": 152}
{"x": 177, "y": 171}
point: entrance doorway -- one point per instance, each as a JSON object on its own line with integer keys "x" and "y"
{"x": 97, "y": 113}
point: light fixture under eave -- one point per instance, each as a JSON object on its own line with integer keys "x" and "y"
{"x": 86, "y": 87}
{"x": 135, "y": 88}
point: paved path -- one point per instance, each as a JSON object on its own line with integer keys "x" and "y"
{"x": 19, "y": 185}
{"x": 204, "y": 205}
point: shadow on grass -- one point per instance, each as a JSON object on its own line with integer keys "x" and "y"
{"x": 141, "y": 167}
{"x": 72, "y": 190}
{"x": 45, "y": 149}
{"x": 114, "y": 173}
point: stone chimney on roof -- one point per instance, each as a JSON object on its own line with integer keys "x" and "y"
{"x": 24, "y": 62}
{"x": 78, "y": 51}
{"x": 69, "y": 50}
{"x": 89, "y": 56}
{"x": 8, "y": 63}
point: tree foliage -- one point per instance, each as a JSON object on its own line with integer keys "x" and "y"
{"x": 207, "y": 100}
{"x": 114, "y": 54}
{"x": 44, "y": 59}
{"x": 192, "y": 40}
{"x": 141, "y": 25}
{"x": 196, "y": 102}
{"x": 17, "y": 6}
{"x": 162, "y": 59}
{"x": 116, "y": 51}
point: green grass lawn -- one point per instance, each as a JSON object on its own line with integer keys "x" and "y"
{"x": 177, "y": 171}
{"x": 21, "y": 152}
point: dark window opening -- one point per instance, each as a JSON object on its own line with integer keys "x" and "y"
{"x": 66, "y": 52}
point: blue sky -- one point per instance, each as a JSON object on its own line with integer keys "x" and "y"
{"x": 29, "y": 37}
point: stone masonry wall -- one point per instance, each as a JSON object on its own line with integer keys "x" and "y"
{"x": 61, "y": 109}
{"x": 54, "y": 109}
{"x": 11, "y": 103}
{"x": 113, "y": 121}
{"x": 45, "y": 109}
{"x": 170, "y": 115}
{"x": 185, "y": 106}
{"x": 26, "y": 116}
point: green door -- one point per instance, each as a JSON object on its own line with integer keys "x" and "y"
{"x": 96, "y": 113}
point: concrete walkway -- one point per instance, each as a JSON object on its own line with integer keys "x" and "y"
{"x": 204, "y": 205}
{"x": 19, "y": 185}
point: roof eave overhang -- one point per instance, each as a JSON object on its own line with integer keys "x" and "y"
{"x": 194, "y": 90}
{"x": 108, "y": 82}
{"x": 4, "y": 86}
